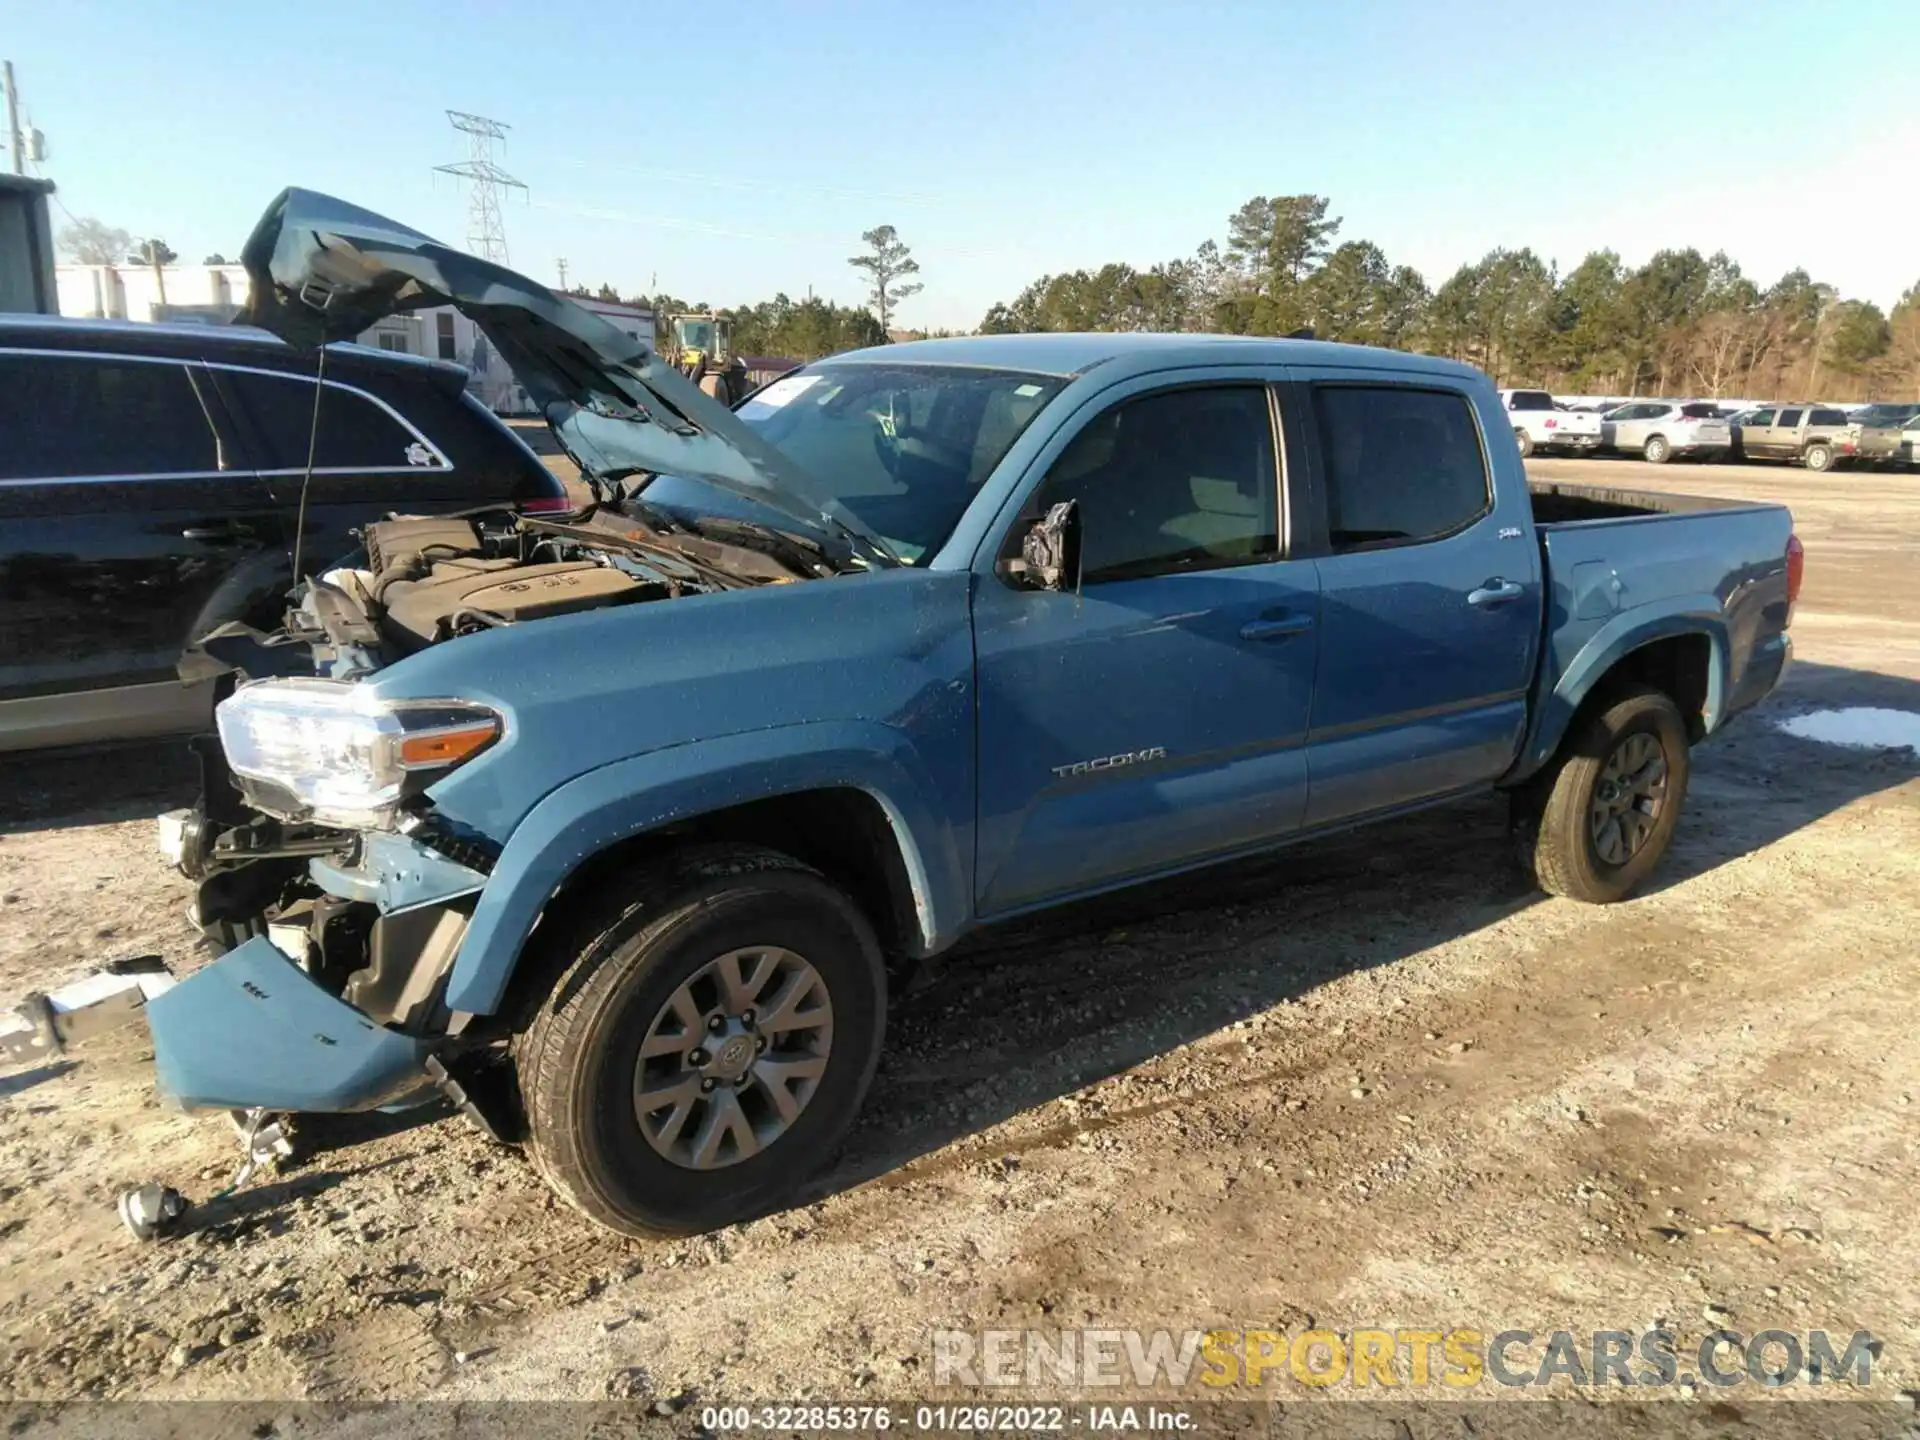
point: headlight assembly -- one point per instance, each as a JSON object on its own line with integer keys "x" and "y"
{"x": 335, "y": 754}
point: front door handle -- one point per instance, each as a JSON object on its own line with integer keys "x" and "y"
{"x": 1277, "y": 628}
{"x": 1495, "y": 592}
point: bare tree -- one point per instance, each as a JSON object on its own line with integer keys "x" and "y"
{"x": 90, "y": 242}
{"x": 890, "y": 260}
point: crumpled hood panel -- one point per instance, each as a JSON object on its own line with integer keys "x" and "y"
{"x": 324, "y": 270}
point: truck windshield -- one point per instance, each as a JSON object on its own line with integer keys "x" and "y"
{"x": 904, "y": 448}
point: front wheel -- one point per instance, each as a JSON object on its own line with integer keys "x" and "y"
{"x": 708, "y": 1045}
{"x": 1819, "y": 457}
{"x": 1611, "y": 804}
{"x": 1658, "y": 452}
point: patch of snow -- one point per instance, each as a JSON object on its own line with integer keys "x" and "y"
{"x": 1866, "y": 727}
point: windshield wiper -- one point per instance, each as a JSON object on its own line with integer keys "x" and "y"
{"x": 865, "y": 543}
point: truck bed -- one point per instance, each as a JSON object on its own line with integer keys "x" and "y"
{"x": 1557, "y": 503}
{"x": 1625, "y": 568}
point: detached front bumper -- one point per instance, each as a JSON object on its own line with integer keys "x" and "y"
{"x": 253, "y": 1031}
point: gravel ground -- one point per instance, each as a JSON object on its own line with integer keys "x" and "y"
{"x": 1375, "y": 1082}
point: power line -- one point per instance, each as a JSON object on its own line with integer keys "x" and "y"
{"x": 486, "y": 231}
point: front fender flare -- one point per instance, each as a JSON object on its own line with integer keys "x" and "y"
{"x": 1607, "y": 647}
{"x": 630, "y": 797}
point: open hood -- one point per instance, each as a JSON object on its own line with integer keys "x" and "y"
{"x": 324, "y": 270}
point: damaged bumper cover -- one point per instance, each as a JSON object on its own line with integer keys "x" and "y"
{"x": 253, "y": 1030}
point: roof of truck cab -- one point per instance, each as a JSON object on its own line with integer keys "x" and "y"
{"x": 1059, "y": 353}
{"x": 220, "y": 344}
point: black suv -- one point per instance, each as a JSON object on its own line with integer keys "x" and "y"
{"x": 150, "y": 479}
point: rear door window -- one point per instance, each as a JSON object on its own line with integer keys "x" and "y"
{"x": 1789, "y": 419}
{"x": 1402, "y": 465}
{"x": 84, "y": 415}
{"x": 356, "y": 431}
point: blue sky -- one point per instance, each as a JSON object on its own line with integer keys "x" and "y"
{"x": 736, "y": 149}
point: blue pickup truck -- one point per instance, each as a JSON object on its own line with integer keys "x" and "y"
{"x": 647, "y": 805}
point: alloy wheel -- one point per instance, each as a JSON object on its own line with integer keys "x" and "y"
{"x": 733, "y": 1057}
{"x": 1628, "y": 798}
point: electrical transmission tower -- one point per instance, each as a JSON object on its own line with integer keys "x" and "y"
{"x": 486, "y": 232}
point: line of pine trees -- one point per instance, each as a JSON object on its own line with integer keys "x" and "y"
{"x": 1682, "y": 323}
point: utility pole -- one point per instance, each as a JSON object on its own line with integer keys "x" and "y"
{"x": 13, "y": 121}
{"x": 563, "y": 274}
{"x": 486, "y": 233}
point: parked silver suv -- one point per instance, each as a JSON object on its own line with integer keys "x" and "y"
{"x": 1658, "y": 430}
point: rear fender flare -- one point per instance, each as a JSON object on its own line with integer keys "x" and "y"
{"x": 631, "y": 797}
{"x": 1606, "y": 648}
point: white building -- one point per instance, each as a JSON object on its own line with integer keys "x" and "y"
{"x": 215, "y": 294}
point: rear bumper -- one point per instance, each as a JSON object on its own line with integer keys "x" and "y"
{"x": 253, "y": 1030}
{"x": 1571, "y": 442}
{"x": 1763, "y": 674}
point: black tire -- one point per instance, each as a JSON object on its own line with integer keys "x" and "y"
{"x": 1818, "y": 458}
{"x": 1657, "y": 451}
{"x": 1525, "y": 442}
{"x": 620, "y": 960}
{"x": 1558, "y": 837}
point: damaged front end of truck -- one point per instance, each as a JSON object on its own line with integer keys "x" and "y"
{"x": 333, "y": 889}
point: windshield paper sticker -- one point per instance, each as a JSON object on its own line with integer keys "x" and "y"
{"x": 780, "y": 392}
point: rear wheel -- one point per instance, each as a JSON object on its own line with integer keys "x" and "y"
{"x": 707, "y": 1046}
{"x": 1608, "y": 809}
{"x": 1658, "y": 451}
{"x": 1525, "y": 442}
{"x": 1819, "y": 457}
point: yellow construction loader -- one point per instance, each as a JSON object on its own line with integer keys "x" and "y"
{"x": 702, "y": 347}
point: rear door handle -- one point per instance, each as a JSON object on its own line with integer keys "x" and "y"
{"x": 1495, "y": 592}
{"x": 1276, "y": 628}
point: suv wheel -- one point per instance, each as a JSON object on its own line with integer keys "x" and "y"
{"x": 1819, "y": 457}
{"x": 1612, "y": 801}
{"x": 1525, "y": 442}
{"x": 1658, "y": 452}
{"x": 707, "y": 1044}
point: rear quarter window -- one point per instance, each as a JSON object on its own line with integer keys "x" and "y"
{"x": 1827, "y": 417}
{"x": 356, "y": 431}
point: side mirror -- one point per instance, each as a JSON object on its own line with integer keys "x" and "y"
{"x": 1049, "y": 556}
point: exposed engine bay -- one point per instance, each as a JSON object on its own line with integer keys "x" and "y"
{"x": 425, "y": 580}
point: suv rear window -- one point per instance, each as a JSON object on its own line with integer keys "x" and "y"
{"x": 1402, "y": 465}
{"x": 355, "y": 432}
{"x": 71, "y": 416}
{"x": 1700, "y": 412}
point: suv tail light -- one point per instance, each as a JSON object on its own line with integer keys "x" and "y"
{"x": 1796, "y": 569}
{"x": 544, "y": 505}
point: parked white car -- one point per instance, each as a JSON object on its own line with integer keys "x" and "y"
{"x": 1658, "y": 430}
{"x": 1542, "y": 423}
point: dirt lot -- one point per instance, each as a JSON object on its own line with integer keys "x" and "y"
{"x": 1370, "y": 1083}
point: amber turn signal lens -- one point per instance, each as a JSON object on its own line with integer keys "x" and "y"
{"x": 445, "y": 747}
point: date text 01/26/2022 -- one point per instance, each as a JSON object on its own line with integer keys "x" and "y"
{"x": 946, "y": 1419}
